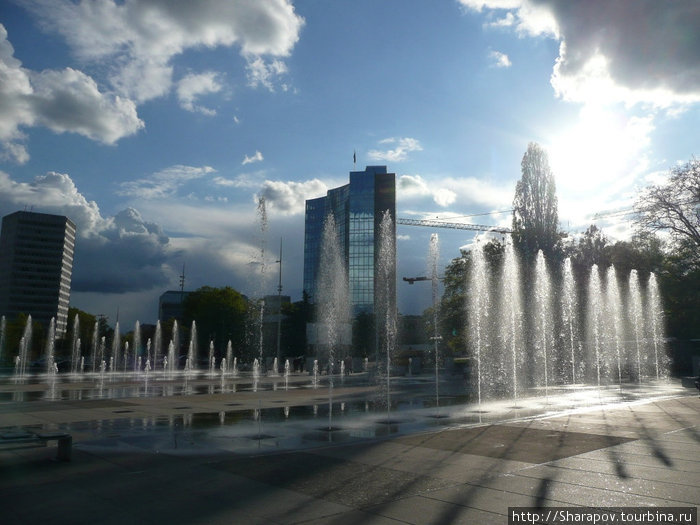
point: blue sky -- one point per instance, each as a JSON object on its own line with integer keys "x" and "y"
{"x": 156, "y": 125}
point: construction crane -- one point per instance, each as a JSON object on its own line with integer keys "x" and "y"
{"x": 411, "y": 280}
{"x": 618, "y": 212}
{"x": 452, "y": 225}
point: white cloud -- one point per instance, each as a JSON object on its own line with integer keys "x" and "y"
{"x": 257, "y": 157}
{"x": 290, "y": 198}
{"x": 112, "y": 254}
{"x": 403, "y": 147}
{"x": 261, "y": 73}
{"x": 244, "y": 180}
{"x": 64, "y": 101}
{"x": 467, "y": 191}
{"x": 414, "y": 186}
{"x": 499, "y": 60}
{"x": 139, "y": 38}
{"x": 193, "y": 86}
{"x": 164, "y": 183}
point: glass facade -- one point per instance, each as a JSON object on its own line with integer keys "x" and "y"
{"x": 357, "y": 208}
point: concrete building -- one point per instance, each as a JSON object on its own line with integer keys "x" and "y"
{"x": 36, "y": 264}
{"x": 357, "y": 208}
{"x": 171, "y": 305}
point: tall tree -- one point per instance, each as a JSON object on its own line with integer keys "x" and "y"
{"x": 535, "y": 216}
{"x": 674, "y": 206}
{"x": 220, "y": 315}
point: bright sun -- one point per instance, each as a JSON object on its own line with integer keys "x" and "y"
{"x": 604, "y": 149}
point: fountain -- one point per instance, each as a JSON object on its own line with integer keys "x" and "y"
{"x": 116, "y": 344}
{"x": 613, "y": 321}
{"x": 478, "y": 311}
{"x": 3, "y": 328}
{"x": 50, "y": 340}
{"x": 137, "y": 346}
{"x": 75, "y": 346}
{"x": 157, "y": 345}
{"x": 512, "y": 311}
{"x": 95, "y": 344}
{"x": 595, "y": 318}
{"x": 332, "y": 301}
{"x": 314, "y": 374}
{"x": 433, "y": 258}
{"x": 637, "y": 318}
{"x": 656, "y": 322}
{"x": 192, "y": 348}
{"x": 542, "y": 323}
{"x": 513, "y": 355}
{"x": 229, "y": 352}
{"x": 386, "y": 266}
{"x": 24, "y": 344}
{"x": 569, "y": 309}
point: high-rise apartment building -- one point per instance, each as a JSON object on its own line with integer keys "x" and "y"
{"x": 36, "y": 264}
{"x": 357, "y": 208}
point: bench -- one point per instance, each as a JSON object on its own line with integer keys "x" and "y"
{"x": 23, "y": 438}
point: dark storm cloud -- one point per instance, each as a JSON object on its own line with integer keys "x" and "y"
{"x": 118, "y": 254}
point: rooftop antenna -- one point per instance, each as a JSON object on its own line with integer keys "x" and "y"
{"x": 354, "y": 159}
{"x": 182, "y": 282}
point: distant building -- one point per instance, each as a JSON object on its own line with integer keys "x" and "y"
{"x": 357, "y": 208}
{"x": 36, "y": 265}
{"x": 273, "y": 319}
{"x": 171, "y": 305}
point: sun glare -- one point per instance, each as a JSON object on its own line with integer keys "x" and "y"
{"x": 602, "y": 150}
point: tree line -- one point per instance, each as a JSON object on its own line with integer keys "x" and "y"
{"x": 666, "y": 241}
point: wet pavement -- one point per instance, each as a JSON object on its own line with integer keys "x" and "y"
{"x": 279, "y": 455}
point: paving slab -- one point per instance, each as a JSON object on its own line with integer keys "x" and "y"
{"x": 162, "y": 463}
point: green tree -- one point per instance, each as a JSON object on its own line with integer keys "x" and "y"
{"x": 535, "y": 215}
{"x": 680, "y": 286}
{"x": 14, "y": 329}
{"x": 220, "y": 316}
{"x": 452, "y": 326}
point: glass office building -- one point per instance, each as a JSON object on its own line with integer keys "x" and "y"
{"x": 357, "y": 208}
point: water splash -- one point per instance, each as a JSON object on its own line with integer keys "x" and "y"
{"x": 49, "y": 351}
{"x": 116, "y": 346}
{"x": 173, "y": 349}
{"x": 229, "y": 352}
{"x": 386, "y": 266}
{"x": 3, "y": 329}
{"x": 433, "y": 258}
{"x": 157, "y": 346}
{"x": 595, "y": 318}
{"x": 95, "y": 345}
{"x": 478, "y": 287}
{"x": 192, "y": 353}
{"x": 512, "y": 311}
{"x": 569, "y": 309}
{"x": 543, "y": 317}
{"x": 137, "y": 346}
{"x": 25, "y": 343}
{"x": 262, "y": 217}
{"x": 75, "y": 346}
{"x": 637, "y": 318}
{"x": 332, "y": 300}
{"x": 656, "y": 322}
{"x": 613, "y": 319}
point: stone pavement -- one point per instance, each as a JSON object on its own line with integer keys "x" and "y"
{"x": 632, "y": 454}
